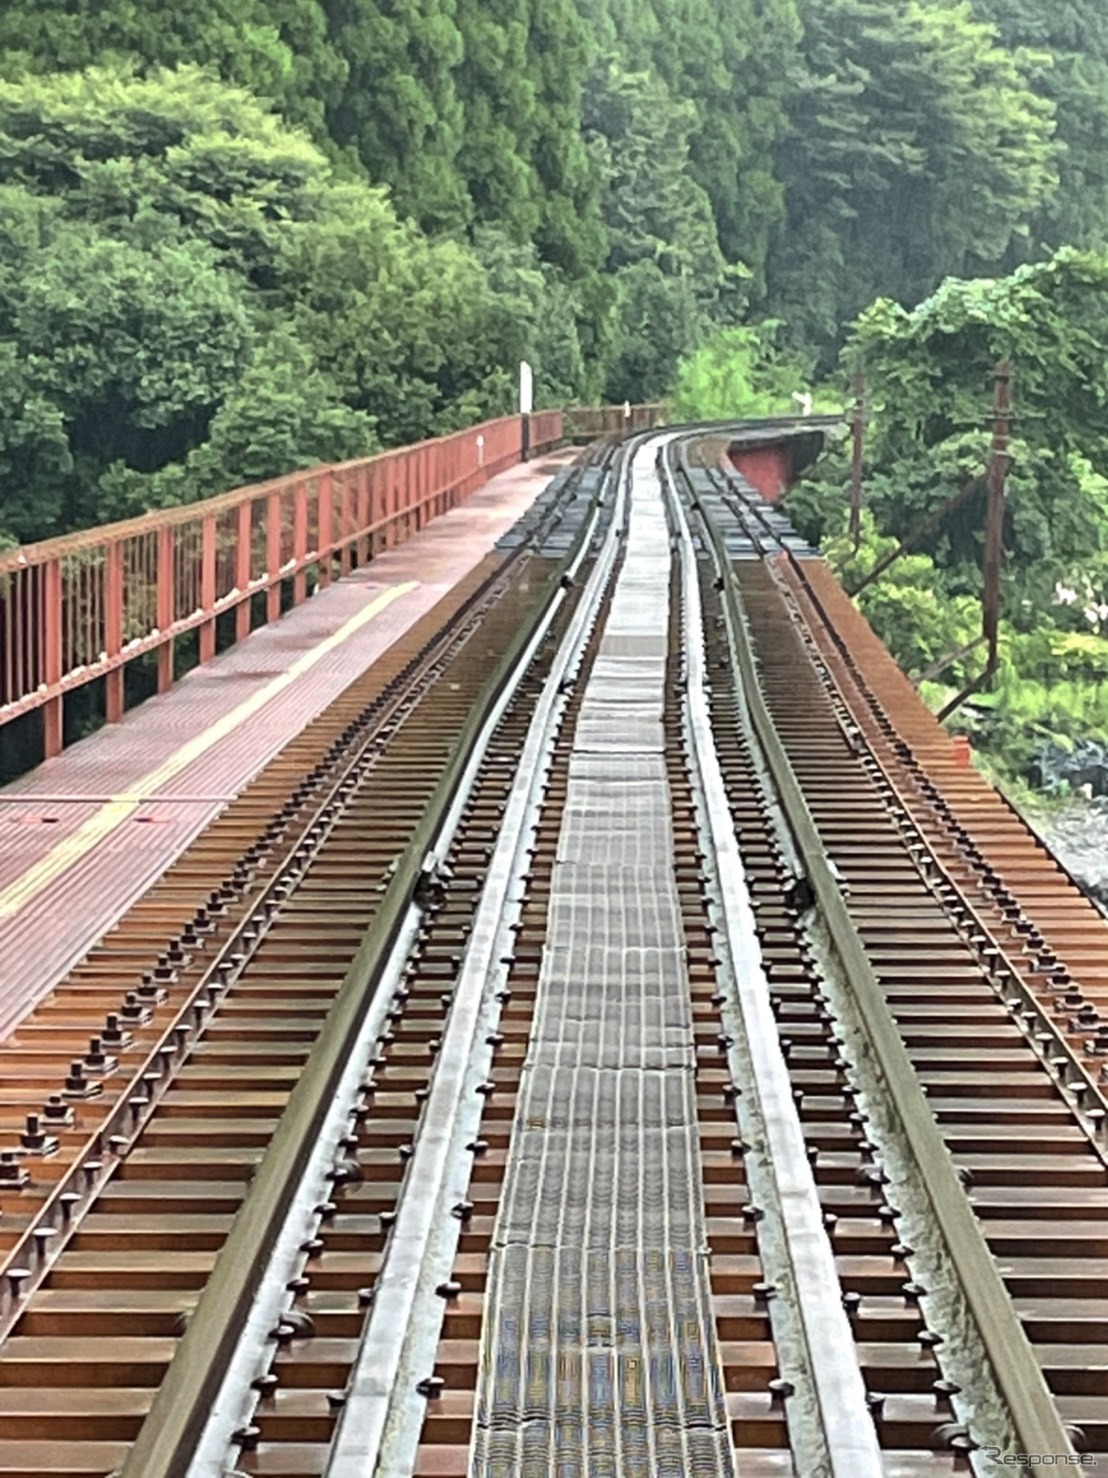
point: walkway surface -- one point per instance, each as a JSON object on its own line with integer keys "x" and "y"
{"x": 598, "y": 1352}
{"x": 73, "y": 858}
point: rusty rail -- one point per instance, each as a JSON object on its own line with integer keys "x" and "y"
{"x": 80, "y": 607}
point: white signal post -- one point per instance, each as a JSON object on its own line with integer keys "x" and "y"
{"x": 526, "y": 405}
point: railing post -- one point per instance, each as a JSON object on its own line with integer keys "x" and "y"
{"x": 273, "y": 556}
{"x": 346, "y": 527}
{"x": 207, "y": 586}
{"x": 300, "y": 541}
{"x": 113, "y": 629}
{"x": 392, "y": 499}
{"x": 52, "y": 656}
{"x": 164, "y": 606}
{"x": 242, "y": 568}
{"x": 362, "y": 516}
{"x": 326, "y": 527}
{"x": 396, "y": 498}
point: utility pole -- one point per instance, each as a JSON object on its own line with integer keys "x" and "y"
{"x": 859, "y": 430}
{"x": 996, "y": 482}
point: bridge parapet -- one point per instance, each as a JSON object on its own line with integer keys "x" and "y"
{"x": 81, "y": 607}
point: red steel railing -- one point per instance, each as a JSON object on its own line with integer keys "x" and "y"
{"x": 82, "y": 606}
{"x": 593, "y": 422}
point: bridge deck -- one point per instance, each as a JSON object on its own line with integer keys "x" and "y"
{"x": 83, "y": 835}
{"x": 599, "y": 1353}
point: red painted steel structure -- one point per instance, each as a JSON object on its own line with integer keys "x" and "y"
{"x": 80, "y": 607}
{"x": 768, "y": 469}
{"x": 591, "y": 423}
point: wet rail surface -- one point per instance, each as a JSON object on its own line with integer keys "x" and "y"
{"x": 611, "y": 1269}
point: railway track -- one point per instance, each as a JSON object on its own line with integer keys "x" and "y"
{"x": 985, "y": 1008}
{"x": 129, "y": 1176}
{"x": 594, "y": 1062}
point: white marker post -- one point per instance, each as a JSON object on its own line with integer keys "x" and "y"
{"x": 526, "y": 405}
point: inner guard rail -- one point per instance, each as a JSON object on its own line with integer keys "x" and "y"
{"x": 82, "y": 606}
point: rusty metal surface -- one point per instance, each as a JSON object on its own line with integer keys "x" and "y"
{"x": 998, "y": 838}
{"x": 47, "y": 932}
{"x": 830, "y": 1427}
{"x": 79, "y": 608}
{"x": 953, "y": 904}
{"x": 891, "y": 1334}
{"x": 945, "y": 900}
{"x": 185, "y": 1116}
{"x": 83, "y": 606}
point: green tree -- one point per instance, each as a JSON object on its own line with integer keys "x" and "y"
{"x": 736, "y": 373}
{"x": 729, "y": 60}
{"x": 658, "y": 321}
{"x": 408, "y": 329}
{"x": 919, "y": 626}
{"x": 569, "y": 233}
{"x": 1071, "y": 38}
{"x": 283, "y": 413}
{"x": 918, "y": 148}
{"x": 652, "y": 209}
{"x": 399, "y": 114}
{"x": 175, "y": 264}
{"x": 119, "y": 352}
{"x": 928, "y": 373}
{"x": 275, "y": 48}
{"x": 167, "y": 156}
{"x": 547, "y": 318}
{"x": 930, "y": 367}
{"x": 673, "y": 284}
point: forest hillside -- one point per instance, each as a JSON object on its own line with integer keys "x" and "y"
{"x": 240, "y": 236}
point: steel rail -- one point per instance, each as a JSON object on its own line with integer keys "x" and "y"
{"x": 234, "y": 1405}
{"x": 175, "y": 1421}
{"x": 74, "y": 1193}
{"x": 1082, "y": 1088}
{"x": 379, "y": 1426}
{"x": 1035, "y": 1418}
{"x": 842, "y": 1441}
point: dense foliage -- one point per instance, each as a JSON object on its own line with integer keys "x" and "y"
{"x": 238, "y": 235}
{"x": 188, "y": 300}
{"x": 928, "y": 374}
{"x": 1071, "y": 71}
{"x": 917, "y": 148}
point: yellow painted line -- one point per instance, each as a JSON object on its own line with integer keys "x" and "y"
{"x": 114, "y": 812}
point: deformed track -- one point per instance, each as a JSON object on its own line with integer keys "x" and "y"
{"x": 637, "y": 1162}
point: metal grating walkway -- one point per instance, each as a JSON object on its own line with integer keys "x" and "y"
{"x": 598, "y": 1354}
